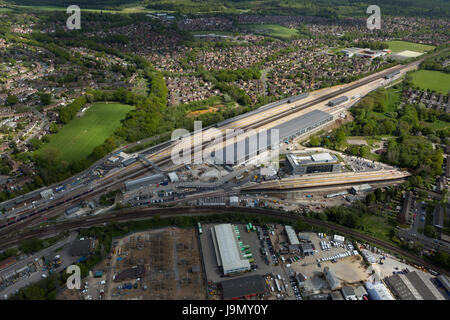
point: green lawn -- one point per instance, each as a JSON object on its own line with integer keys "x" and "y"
{"x": 432, "y": 80}
{"x": 79, "y": 137}
{"x": 273, "y": 30}
{"x": 377, "y": 226}
{"x": 397, "y": 46}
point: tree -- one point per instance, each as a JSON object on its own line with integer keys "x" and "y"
{"x": 314, "y": 141}
{"x": 12, "y": 100}
{"x": 46, "y": 98}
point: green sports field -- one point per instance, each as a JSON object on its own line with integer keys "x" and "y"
{"x": 431, "y": 80}
{"x": 398, "y": 46}
{"x": 79, "y": 137}
{"x": 273, "y": 30}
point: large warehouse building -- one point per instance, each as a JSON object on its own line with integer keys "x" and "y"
{"x": 413, "y": 286}
{"x": 227, "y": 250}
{"x": 320, "y": 162}
{"x": 287, "y": 130}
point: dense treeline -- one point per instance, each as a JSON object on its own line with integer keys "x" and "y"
{"x": 437, "y": 63}
{"x": 411, "y": 127}
{"x": 69, "y": 112}
{"x": 374, "y": 45}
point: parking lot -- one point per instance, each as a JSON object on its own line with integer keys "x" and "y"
{"x": 350, "y": 269}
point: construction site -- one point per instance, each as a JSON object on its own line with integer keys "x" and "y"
{"x": 159, "y": 264}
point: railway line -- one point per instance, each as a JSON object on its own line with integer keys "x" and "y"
{"x": 141, "y": 214}
{"x": 163, "y": 151}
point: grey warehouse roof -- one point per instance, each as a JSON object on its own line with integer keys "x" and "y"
{"x": 293, "y": 127}
{"x": 227, "y": 247}
{"x": 241, "y": 287}
{"x": 293, "y": 240}
{"x": 143, "y": 181}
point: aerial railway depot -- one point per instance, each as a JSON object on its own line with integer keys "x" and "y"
{"x": 262, "y": 262}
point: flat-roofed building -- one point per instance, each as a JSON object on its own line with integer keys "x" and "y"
{"x": 360, "y": 292}
{"x": 306, "y": 248}
{"x": 348, "y": 293}
{"x": 378, "y": 291}
{"x": 145, "y": 181}
{"x": 315, "y": 163}
{"x": 408, "y": 201}
{"x": 292, "y": 236}
{"x": 438, "y": 217}
{"x": 332, "y": 279}
{"x": 447, "y": 166}
{"x": 365, "y": 187}
{"x": 227, "y": 250}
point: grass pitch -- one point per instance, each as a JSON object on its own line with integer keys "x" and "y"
{"x": 398, "y": 46}
{"x": 79, "y": 137}
{"x": 273, "y": 30}
{"x": 432, "y": 80}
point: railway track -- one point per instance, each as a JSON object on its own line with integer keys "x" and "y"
{"x": 134, "y": 215}
{"x": 164, "y": 146}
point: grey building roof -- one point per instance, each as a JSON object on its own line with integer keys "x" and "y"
{"x": 438, "y": 216}
{"x": 227, "y": 249}
{"x": 336, "y": 295}
{"x": 293, "y": 127}
{"x": 129, "y": 185}
{"x": 424, "y": 286}
{"x": 80, "y": 248}
{"x": 407, "y": 203}
{"x": 306, "y": 247}
{"x": 338, "y": 100}
{"x": 360, "y": 292}
{"x": 241, "y": 287}
{"x": 398, "y": 288}
{"x": 347, "y": 291}
{"x": 292, "y": 236}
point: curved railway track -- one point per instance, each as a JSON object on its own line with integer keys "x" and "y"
{"x": 134, "y": 215}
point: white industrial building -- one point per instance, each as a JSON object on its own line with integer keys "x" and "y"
{"x": 234, "y": 201}
{"x": 227, "y": 250}
{"x": 378, "y": 291}
{"x": 293, "y": 240}
{"x": 332, "y": 279}
{"x": 47, "y": 194}
{"x": 338, "y": 238}
{"x": 173, "y": 177}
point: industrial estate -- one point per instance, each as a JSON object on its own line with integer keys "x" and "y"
{"x": 313, "y": 162}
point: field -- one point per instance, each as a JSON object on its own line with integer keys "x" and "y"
{"x": 432, "y": 80}
{"x": 78, "y": 138}
{"x": 273, "y": 30}
{"x": 398, "y": 46}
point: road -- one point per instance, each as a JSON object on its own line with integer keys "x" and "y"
{"x": 139, "y": 214}
{"x": 37, "y": 275}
